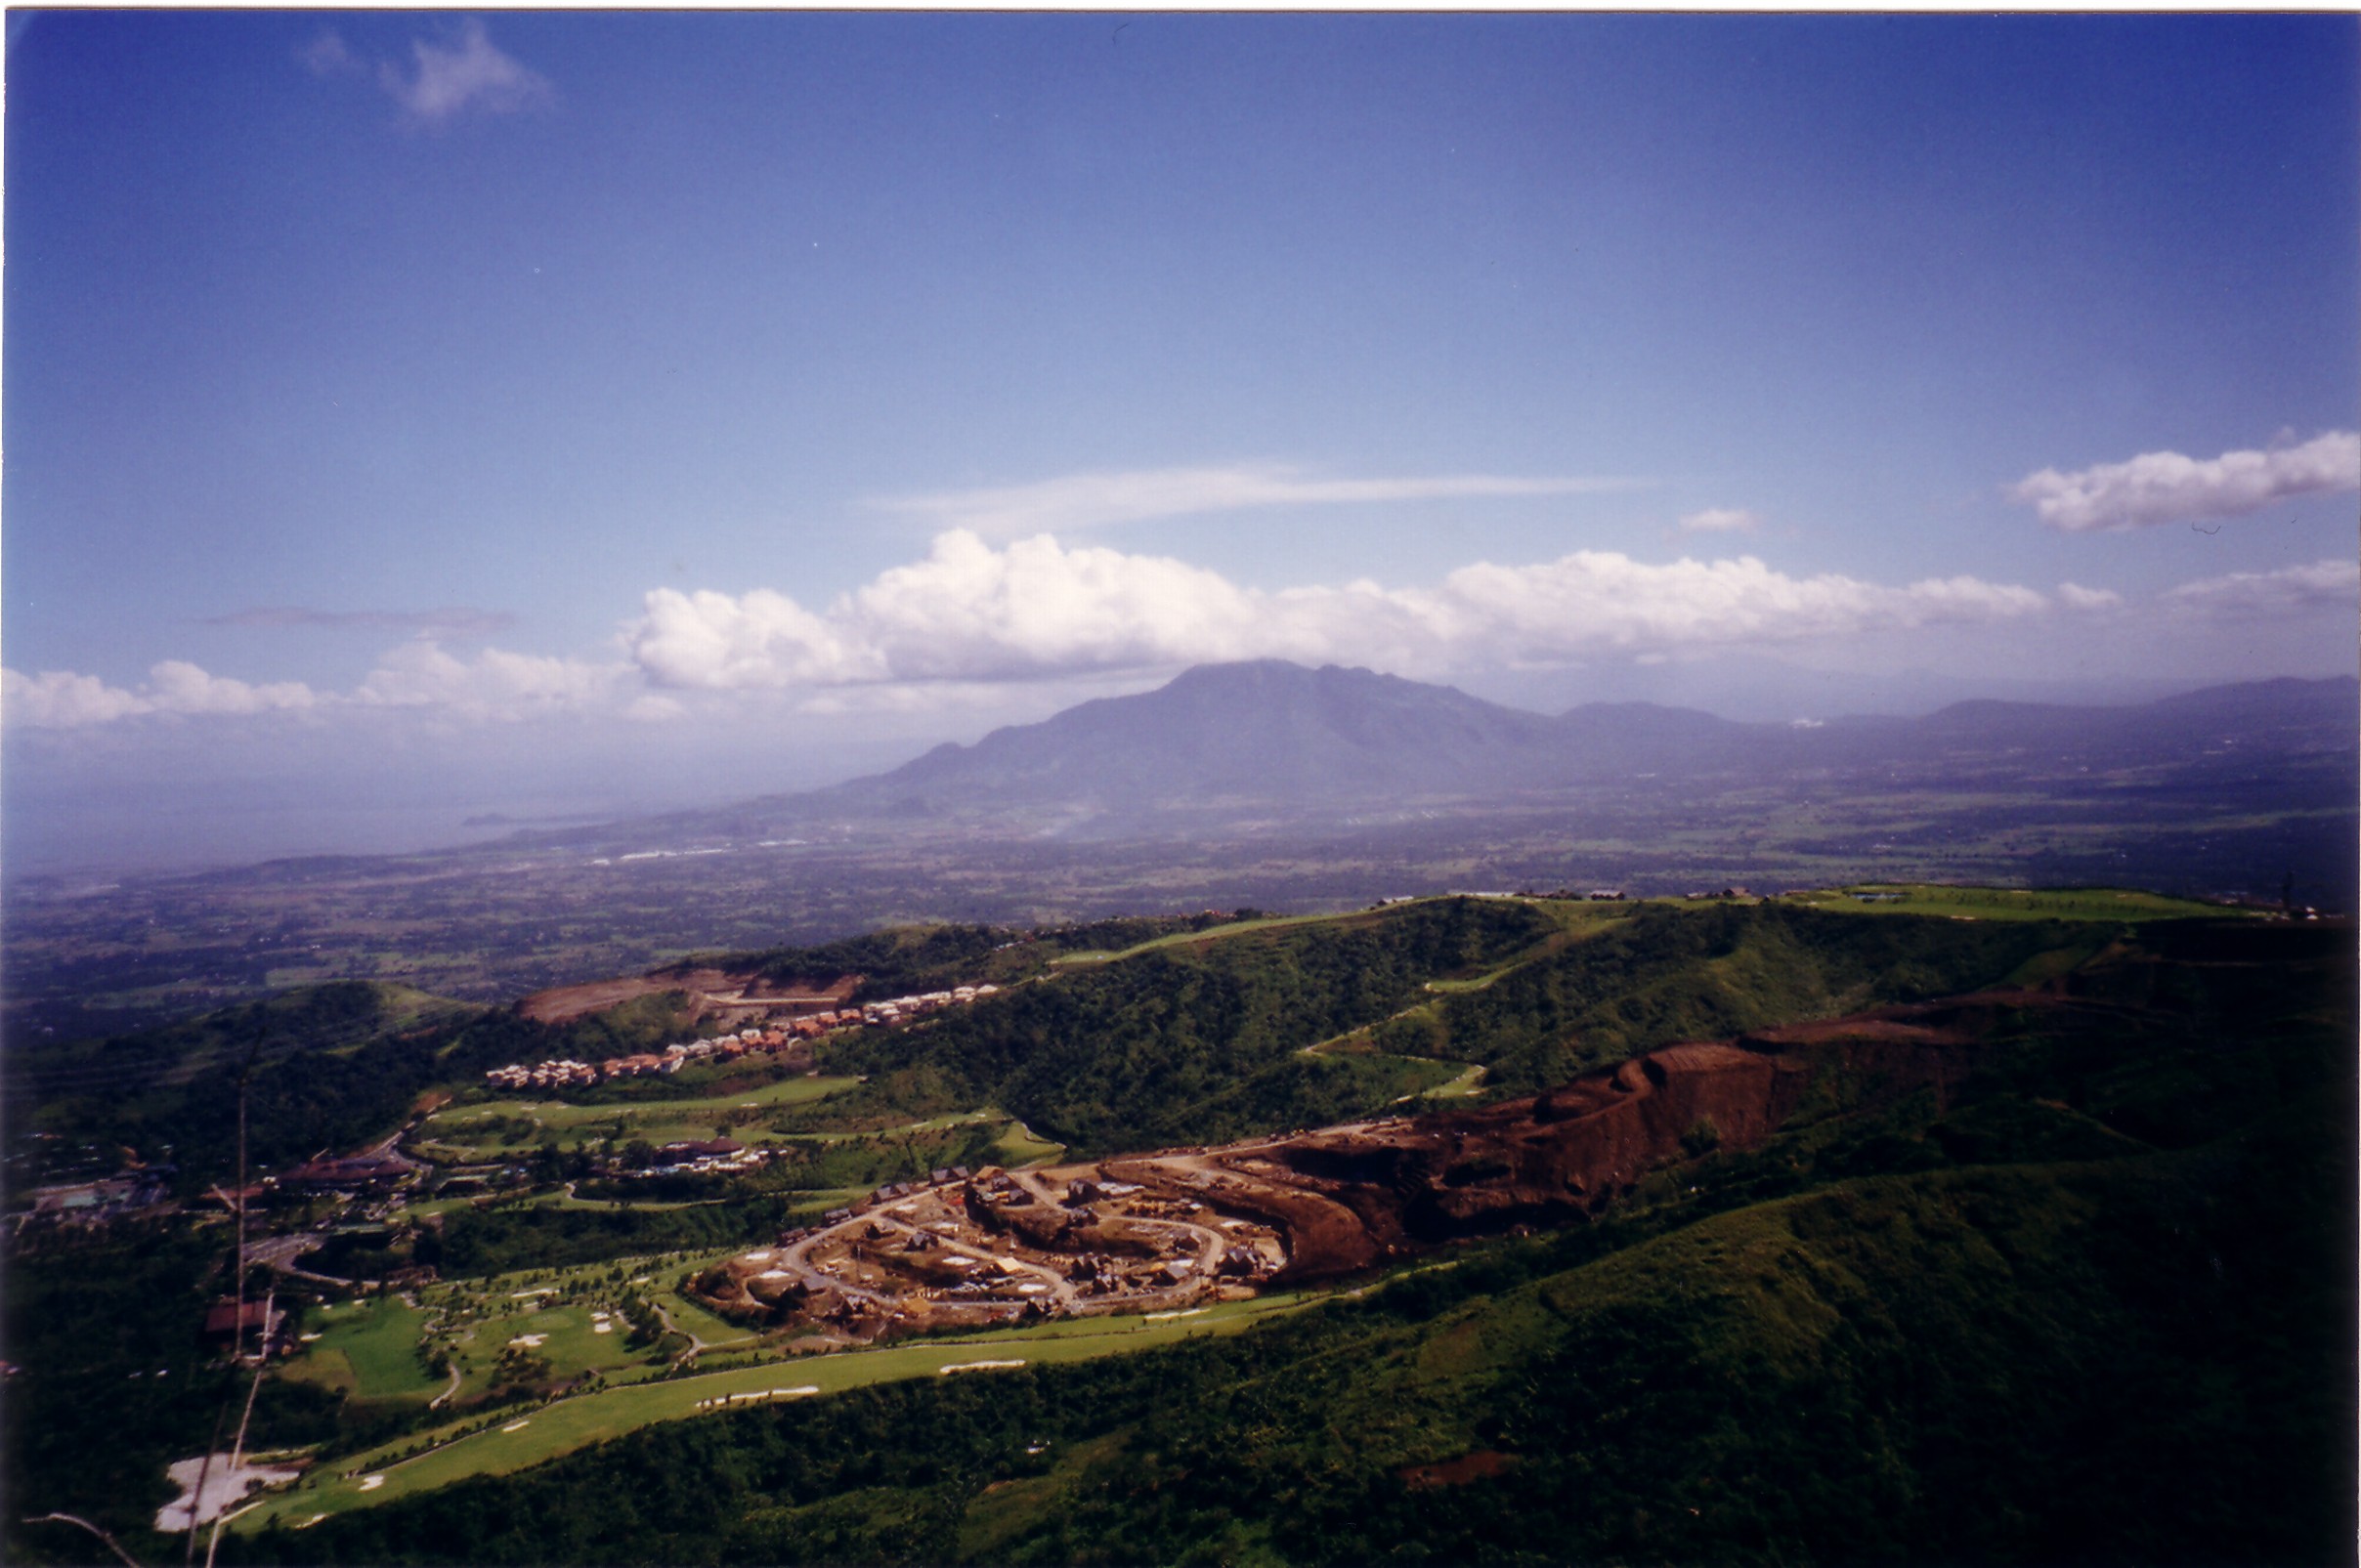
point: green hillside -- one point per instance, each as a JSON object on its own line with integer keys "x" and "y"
{"x": 2093, "y": 1304}
{"x": 2044, "y": 1322}
{"x": 1705, "y": 972}
{"x": 334, "y": 1065}
{"x": 1196, "y": 1041}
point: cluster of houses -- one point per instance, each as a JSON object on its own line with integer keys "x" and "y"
{"x": 894, "y": 1011}
{"x": 559, "y": 1073}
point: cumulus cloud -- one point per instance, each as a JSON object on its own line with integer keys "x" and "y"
{"x": 496, "y": 684}
{"x": 2073, "y": 596}
{"x": 1077, "y": 501}
{"x": 2169, "y": 488}
{"x": 175, "y": 686}
{"x": 1035, "y": 608}
{"x": 61, "y": 699}
{"x": 1595, "y": 600}
{"x": 468, "y": 73}
{"x": 2333, "y": 585}
{"x": 1720, "y": 520}
{"x": 456, "y": 622}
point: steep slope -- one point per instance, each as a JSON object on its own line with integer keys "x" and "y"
{"x": 2020, "y": 1320}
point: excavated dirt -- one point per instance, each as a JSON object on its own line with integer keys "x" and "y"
{"x": 706, "y": 992}
{"x": 1477, "y": 1466}
{"x": 1347, "y": 1197}
{"x": 561, "y": 1004}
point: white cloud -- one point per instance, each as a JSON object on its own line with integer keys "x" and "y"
{"x": 420, "y": 676}
{"x": 178, "y": 687}
{"x": 1036, "y": 609}
{"x": 2333, "y": 584}
{"x": 2077, "y": 597}
{"x": 758, "y": 639}
{"x": 2169, "y": 488}
{"x": 972, "y": 621}
{"x": 1720, "y": 520}
{"x": 448, "y": 80}
{"x": 1603, "y": 601}
{"x": 971, "y": 611}
{"x": 496, "y": 684}
{"x": 1077, "y": 501}
{"x": 61, "y": 699}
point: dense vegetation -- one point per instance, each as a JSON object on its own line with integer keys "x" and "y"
{"x": 1709, "y": 972}
{"x": 494, "y": 1241}
{"x": 2095, "y": 1305}
{"x": 1196, "y": 1043}
{"x": 896, "y": 960}
{"x": 113, "y": 1382}
{"x": 334, "y": 1065}
{"x": 2049, "y": 1321}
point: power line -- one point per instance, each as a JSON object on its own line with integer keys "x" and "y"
{"x": 67, "y": 1518}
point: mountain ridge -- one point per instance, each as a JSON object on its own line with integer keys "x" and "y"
{"x": 1282, "y": 731}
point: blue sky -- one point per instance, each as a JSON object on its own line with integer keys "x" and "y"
{"x": 447, "y": 413}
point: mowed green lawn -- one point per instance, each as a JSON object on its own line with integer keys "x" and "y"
{"x": 535, "y": 1434}
{"x": 369, "y": 1347}
{"x": 2007, "y": 903}
{"x": 569, "y": 1341}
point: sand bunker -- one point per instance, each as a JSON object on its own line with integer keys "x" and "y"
{"x": 225, "y": 1488}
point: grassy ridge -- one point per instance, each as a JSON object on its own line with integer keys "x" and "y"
{"x": 1671, "y": 973}
{"x": 2027, "y": 1364}
{"x": 1201, "y": 1040}
{"x": 577, "y": 1423}
{"x": 2039, "y": 1322}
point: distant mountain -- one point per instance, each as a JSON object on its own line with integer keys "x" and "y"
{"x": 1265, "y": 730}
{"x": 1264, "y": 740}
{"x": 1281, "y": 735}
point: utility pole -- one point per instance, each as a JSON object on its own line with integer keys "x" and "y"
{"x": 239, "y": 1338}
{"x": 237, "y": 1447}
{"x": 237, "y": 1323}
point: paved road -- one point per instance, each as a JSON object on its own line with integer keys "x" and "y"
{"x": 1207, "y": 1244}
{"x": 666, "y": 1318}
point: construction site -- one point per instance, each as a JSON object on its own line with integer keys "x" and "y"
{"x": 1179, "y": 1228}
{"x": 968, "y": 1249}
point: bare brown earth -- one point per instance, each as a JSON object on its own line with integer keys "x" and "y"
{"x": 561, "y": 1004}
{"x": 705, "y": 993}
{"x": 1348, "y": 1197}
{"x": 1459, "y": 1471}
{"x": 1197, "y": 1225}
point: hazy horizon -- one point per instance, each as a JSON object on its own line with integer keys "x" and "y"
{"x": 143, "y": 830}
